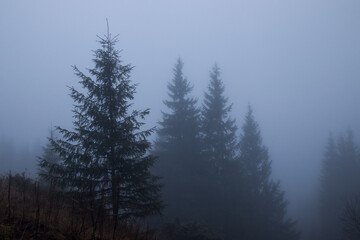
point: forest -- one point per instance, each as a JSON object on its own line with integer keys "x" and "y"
{"x": 203, "y": 177}
{"x": 180, "y": 120}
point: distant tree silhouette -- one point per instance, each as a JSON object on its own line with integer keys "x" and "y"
{"x": 349, "y": 165}
{"x": 107, "y": 152}
{"x": 330, "y": 192}
{"x": 340, "y": 182}
{"x": 178, "y": 148}
{"x": 50, "y": 156}
{"x": 264, "y": 208}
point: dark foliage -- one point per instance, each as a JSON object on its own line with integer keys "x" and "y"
{"x": 221, "y": 176}
{"x": 178, "y": 148}
{"x": 217, "y": 128}
{"x": 350, "y": 220}
{"x": 105, "y": 161}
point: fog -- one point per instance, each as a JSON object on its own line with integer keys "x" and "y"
{"x": 296, "y": 62}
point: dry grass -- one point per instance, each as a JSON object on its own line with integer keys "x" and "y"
{"x": 30, "y": 210}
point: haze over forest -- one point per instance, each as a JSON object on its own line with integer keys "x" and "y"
{"x": 297, "y": 63}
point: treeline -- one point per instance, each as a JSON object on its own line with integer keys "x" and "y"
{"x": 210, "y": 175}
{"x": 209, "y": 180}
{"x": 207, "y": 176}
{"x": 339, "y": 207}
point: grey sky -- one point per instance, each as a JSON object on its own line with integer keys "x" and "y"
{"x": 296, "y": 62}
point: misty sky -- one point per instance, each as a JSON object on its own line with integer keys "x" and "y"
{"x": 296, "y": 62}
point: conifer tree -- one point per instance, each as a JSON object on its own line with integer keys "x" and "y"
{"x": 264, "y": 208}
{"x": 340, "y": 182}
{"x": 178, "y": 147}
{"x": 222, "y": 174}
{"x": 106, "y": 153}
{"x": 218, "y": 129}
{"x": 179, "y": 129}
{"x": 330, "y": 191}
{"x": 51, "y": 156}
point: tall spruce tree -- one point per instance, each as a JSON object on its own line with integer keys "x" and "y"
{"x": 178, "y": 148}
{"x": 264, "y": 207}
{"x": 107, "y": 151}
{"x": 218, "y": 129}
{"x": 222, "y": 175}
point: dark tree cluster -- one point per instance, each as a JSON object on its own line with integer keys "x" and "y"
{"x": 340, "y": 185}
{"x": 210, "y": 175}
